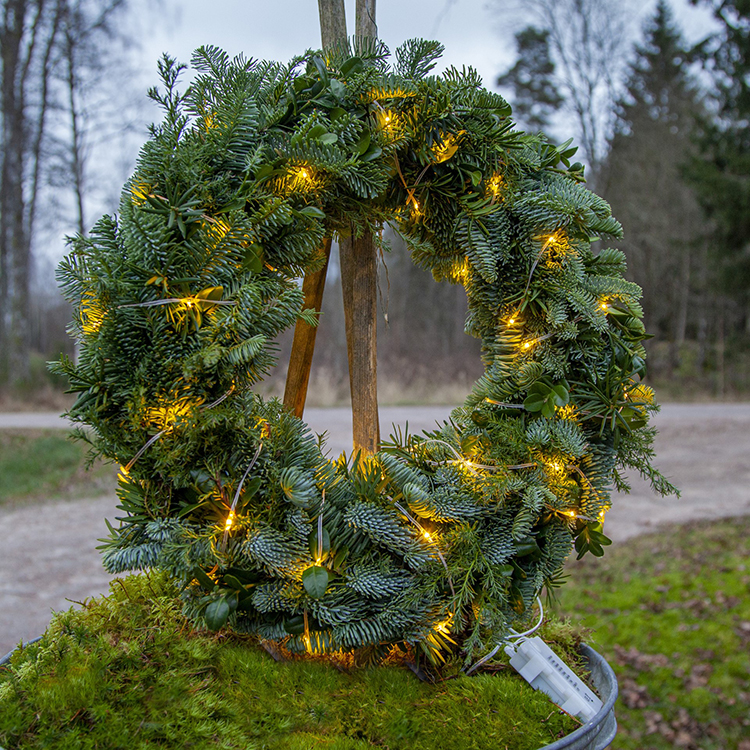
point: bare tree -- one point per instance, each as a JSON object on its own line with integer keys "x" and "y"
{"x": 28, "y": 37}
{"x": 89, "y": 30}
{"x": 589, "y": 40}
{"x": 54, "y": 52}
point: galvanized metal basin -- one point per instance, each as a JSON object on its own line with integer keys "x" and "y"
{"x": 598, "y": 733}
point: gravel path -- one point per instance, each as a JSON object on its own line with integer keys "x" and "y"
{"x": 48, "y": 557}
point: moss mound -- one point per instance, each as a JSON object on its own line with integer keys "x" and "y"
{"x": 128, "y": 671}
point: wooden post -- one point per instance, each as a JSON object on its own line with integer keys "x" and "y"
{"x": 359, "y": 281}
{"x": 358, "y": 272}
{"x": 365, "y": 23}
{"x": 332, "y": 28}
{"x": 303, "y": 346}
{"x": 359, "y": 284}
{"x": 332, "y": 21}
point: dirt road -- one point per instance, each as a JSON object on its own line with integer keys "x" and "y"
{"x": 48, "y": 556}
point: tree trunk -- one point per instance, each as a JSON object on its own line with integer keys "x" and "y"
{"x": 303, "y": 346}
{"x": 76, "y": 136}
{"x": 26, "y": 27}
{"x": 14, "y": 246}
{"x": 680, "y": 326}
{"x": 720, "y": 351}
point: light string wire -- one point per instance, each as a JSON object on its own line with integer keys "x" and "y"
{"x": 426, "y": 534}
{"x": 153, "y": 439}
{"x": 320, "y": 527}
{"x": 230, "y": 517}
{"x": 517, "y": 637}
{"x": 470, "y": 465}
{"x": 175, "y": 300}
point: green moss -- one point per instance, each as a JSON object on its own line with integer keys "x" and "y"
{"x": 127, "y": 671}
{"x": 671, "y": 613}
{"x": 46, "y": 464}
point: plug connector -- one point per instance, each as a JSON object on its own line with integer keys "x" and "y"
{"x": 544, "y": 670}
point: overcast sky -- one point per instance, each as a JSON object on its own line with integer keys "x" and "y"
{"x": 473, "y": 31}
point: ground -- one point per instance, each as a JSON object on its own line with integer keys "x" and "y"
{"x": 48, "y": 557}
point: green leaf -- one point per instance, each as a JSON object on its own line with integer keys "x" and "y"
{"x": 217, "y": 614}
{"x": 338, "y": 89}
{"x": 548, "y": 409}
{"x": 527, "y": 546}
{"x": 200, "y": 575}
{"x": 476, "y": 178}
{"x": 364, "y": 143}
{"x": 265, "y": 171}
{"x": 253, "y": 260}
{"x": 372, "y": 153}
{"x": 321, "y": 68}
{"x": 295, "y": 625}
{"x": 328, "y": 139}
{"x": 317, "y": 131}
{"x": 534, "y": 402}
{"x": 561, "y": 395}
{"x": 313, "y": 212}
{"x": 232, "y": 582}
{"x": 315, "y": 581}
{"x": 352, "y": 65}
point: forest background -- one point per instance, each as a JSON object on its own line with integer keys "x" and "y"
{"x": 662, "y": 127}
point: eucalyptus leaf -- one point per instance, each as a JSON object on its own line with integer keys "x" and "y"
{"x": 315, "y": 580}
{"x": 217, "y": 613}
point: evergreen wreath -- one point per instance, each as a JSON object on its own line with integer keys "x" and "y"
{"x": 439, "y": 542}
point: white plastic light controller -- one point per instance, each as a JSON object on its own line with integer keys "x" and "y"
{"x": 544, "y": 670}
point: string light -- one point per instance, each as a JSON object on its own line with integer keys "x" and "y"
{"x": 495, "y": 185}
{"x": 92, "y": 314}
{"x": 231, "y": 516}
{"x": 531, "y": 342}
{"x": 139, "y": 192}
{"x": 444, "y": 626}
{"x": 428, "y": 537}
{"x": 300, "y": 178}
{"x": 447, "y": 148}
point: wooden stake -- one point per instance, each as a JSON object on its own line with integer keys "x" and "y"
{"x": 303, "y": 346}
{"x": 358, "y": 269}
{"x": 358, "y": 261}
{"x": 332, "y": 21}
{"x": 365, "y": 21}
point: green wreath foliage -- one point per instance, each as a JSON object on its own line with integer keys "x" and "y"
{"x": 440, "y": 541}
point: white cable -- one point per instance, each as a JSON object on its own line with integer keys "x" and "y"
{"x": 515, "y": 637}
{"x": 531, "y": 630}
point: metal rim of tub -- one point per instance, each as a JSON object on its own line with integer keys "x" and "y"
{"x": 596, "y": 734}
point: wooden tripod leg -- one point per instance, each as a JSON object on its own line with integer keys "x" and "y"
{"x": 303, "y": 346}
{"x": 358, "y": 260}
